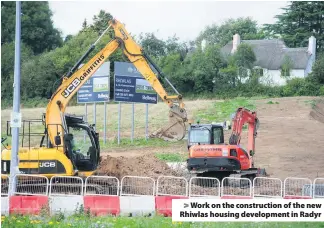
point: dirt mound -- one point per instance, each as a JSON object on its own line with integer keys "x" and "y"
{"x": 318, "y": 112}
{"x": 144, "y": 165}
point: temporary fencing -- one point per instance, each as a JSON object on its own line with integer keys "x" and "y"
{"x": 294, "y": 188}
{"x": 31, "y": 195}
{"x": 318, "y": 188}
{"x": 66, "y": 194}
{"x": 101, "y": 195}
{"x": 236, "y": 188}
{"x": 264, "y": 187}
{"x": 135, "y": 195}
{"x": 204, "y": 187}
{"x": 169, "y": 188}
{"x": 4, "y": 194}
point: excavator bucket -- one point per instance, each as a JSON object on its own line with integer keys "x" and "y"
{"x": 175, "y": 130}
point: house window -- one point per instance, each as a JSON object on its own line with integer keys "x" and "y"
{"x": 285, "y": 72}
{"x": 258, "y": 71}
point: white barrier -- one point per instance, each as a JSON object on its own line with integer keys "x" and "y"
{"x": 171, "y": 186}
{"x": 66, "y": 194}
{"x": 204, "y": 187}
{"x": 137, "y": 196}
{"x": 264, "y": 187}
{"x": 5, "y": 205}
{"x": 137, "y": 205}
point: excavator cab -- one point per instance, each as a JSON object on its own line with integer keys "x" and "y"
{"x": 77, "y": 153}
{"x": 205, "y": 134}
{"x": 81, "y": 144}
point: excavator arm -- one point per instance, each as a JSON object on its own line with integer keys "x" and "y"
{"x": 72, "y": 82}
{"x": 243, "y": 116}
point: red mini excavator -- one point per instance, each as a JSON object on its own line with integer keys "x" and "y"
{"x": 209, "y": 156}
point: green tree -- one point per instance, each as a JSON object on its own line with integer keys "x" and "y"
{"x": 299, "y": 21}
{"x": 153, "y": 46}
{"x": 286, "y": 66}
{"x": 8, "y": 64}
{"x": 245, "y": 27}
{"x": 37, "y": 30}
{"x": 244, "y": 58}
{"x": 100, "y": 21}
{"x": 318, "y": 70}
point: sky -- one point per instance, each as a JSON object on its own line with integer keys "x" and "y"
{"x": 185, "y": 19}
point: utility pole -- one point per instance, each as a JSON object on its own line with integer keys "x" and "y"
{"x": 15, "y": 115}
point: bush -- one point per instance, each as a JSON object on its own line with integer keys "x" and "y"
{"x": 321, "y": 91}
{"x": 301, "y": 87}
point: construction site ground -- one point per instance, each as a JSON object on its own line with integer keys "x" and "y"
{"x": 289, "y": 144}
{"x": 290, "y": 141}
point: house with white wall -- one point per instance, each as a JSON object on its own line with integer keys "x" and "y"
{"x": 271, "y": 55}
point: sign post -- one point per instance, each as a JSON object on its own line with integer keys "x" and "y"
{"x": 131, "y": 87}
{"x": 96, "y": 89}
{"x": 16, "y": 115}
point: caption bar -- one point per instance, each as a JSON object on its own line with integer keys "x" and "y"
{"x": 272, "y": 210}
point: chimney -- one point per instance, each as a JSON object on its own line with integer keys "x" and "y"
{"x": 236, "y": 42}
{"x": 203, "y": 44}
{"x": 312, "y": 46}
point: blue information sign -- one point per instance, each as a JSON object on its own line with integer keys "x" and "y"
{"x": 131, "y": 86}
{"x": 96, "y": 88}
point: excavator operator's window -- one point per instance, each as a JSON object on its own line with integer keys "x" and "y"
{"x": 199, "y": 136}
{"x": 218, "y": 135}
{"x": 81, "y": 142}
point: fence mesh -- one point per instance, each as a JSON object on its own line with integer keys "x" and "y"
{"x": 135, "y": 185}
{"x": 235, "y": 186}
{"x": 64, "y": 185}
{"x": 204, "y": 186}
{"x": 4, "y": 185}
{"x": 297, "y": 187}
{"x": 101, "y": 185}
{"x": 267, "y": 187}
{"x": 169, "y": 185}
{"x": 318, "y": 188}
{"x": 31, "y": 184}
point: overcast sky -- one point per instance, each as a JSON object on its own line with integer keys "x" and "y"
{"x": 165, "y": 18}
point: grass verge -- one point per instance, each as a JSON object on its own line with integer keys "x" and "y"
{"x": 140, "y": 222}
{"x": 171, "y": 157}
{"x": 138, "y": 142}
{"x": 221, "y": 111}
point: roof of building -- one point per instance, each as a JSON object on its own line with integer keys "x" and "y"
{"x": 270, "y": 54}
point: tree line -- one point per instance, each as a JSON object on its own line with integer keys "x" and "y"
{"x": 194, "y": 69}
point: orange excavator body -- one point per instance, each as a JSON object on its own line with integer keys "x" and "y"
{"x": 210, "y": 156}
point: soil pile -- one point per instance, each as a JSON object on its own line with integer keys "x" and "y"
{"x": 144, "y": 165}
{"x": 318, "y": 112}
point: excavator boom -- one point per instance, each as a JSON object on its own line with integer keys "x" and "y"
{"x": 74, "y": 80}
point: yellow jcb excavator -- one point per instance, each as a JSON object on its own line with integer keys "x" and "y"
{"x": 58, "y": 152}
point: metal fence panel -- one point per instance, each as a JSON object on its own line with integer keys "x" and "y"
{"x": 204, "y": 187}
{"x": 294, "y": 186}
{"x": 236, "y": 186}
{"x": 4, "y": 185}
{"x": 136, "y": 185}
{"x": 102, "y": 185}
{"x": 65, "y": 185}
{"x": 171, "y": 186}
{"x": 267, "y": 187}
{"x": 29, "y": 184}
{"x": 318, "y": 188}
